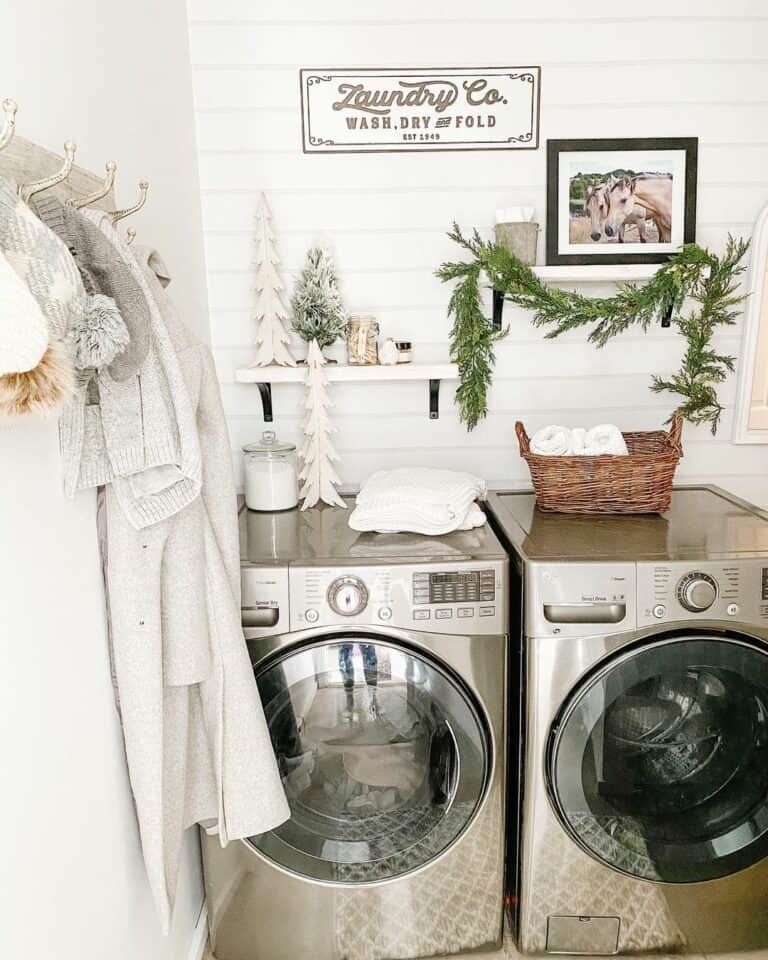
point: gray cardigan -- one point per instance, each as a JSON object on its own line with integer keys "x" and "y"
{"x": 131, "y": 423}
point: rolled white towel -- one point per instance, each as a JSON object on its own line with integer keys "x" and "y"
{"x": 552, "y": 441}
{"x": 578, "y": 440}
{"x": 605, "y": 438}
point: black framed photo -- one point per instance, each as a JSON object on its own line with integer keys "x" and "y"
{"x": 620, "y": 201}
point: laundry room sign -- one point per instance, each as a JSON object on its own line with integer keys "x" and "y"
{"x": 386, "y": 110}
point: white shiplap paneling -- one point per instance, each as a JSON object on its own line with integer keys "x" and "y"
{"x": 684, "y": 69}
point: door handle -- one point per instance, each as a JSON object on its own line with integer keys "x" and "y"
{"x": 260, "y": 615}
{"x": 585, "y": 612}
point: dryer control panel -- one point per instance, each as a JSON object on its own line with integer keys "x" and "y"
{"x": 465, "y": 598}
{"x": 727, "y": 590}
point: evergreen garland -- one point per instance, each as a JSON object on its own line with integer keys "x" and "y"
{"x": 693, "y": 274}
{"x": 318, "y": 310}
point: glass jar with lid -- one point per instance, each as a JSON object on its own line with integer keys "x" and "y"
{"x": 271, "y": 474}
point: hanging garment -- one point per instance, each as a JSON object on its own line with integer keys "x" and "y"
{"x": 196, "y": 738}
{"x": 131, "y": 423}
{"x": 23, "y": 328}
{"x": 42, "y": 261}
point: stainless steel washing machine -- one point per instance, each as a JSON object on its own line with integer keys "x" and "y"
{"x": 643, "y": 821}
{"x": 381, "y": 662}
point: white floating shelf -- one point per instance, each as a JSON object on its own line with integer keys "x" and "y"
{"x": 597, "y": 273}
{"x": 264, "y": 377}
{"x": 347, "y": 372}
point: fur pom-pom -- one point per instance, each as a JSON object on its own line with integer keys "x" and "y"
{"x": 99, "y": 335}
{"x": 41, "y": 390}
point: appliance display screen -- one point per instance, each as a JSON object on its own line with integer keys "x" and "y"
{"x": 466, "y": 586}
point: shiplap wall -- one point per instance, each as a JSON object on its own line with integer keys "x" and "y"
{"x": 693, "y": 68}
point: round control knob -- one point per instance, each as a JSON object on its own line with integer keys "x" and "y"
{"x": 697, "y": 592}
{"x": 348, "y": 596}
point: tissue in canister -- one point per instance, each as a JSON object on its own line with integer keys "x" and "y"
{"x": 516, "y": 229}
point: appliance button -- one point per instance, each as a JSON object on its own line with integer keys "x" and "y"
{"x": 466, "y": 612}
{"x": 659, "y": 610}
{"x": 385, "y": 613}
{"x": 443, "y": 614}
{"x": 487, "y": 611}
{"x": 732, "y": 609}
{"x": 422, "y": 614}
{"x": 311, "y": 616}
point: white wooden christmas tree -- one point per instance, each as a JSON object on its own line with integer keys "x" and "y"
{"x": 272, "y": 338}
{"x": 317, "y": 453}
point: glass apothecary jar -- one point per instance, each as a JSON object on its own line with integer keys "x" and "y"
{"x": 362, "y": 342}
{"x": 271, "y": 474}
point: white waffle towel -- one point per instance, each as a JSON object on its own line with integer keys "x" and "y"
{"x": 419, "y": 500}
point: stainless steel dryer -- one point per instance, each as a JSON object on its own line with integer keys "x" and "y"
{"x": 381, "y": 662}
{"x": 643, "y": 821}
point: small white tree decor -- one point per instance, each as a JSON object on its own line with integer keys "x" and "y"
{"x": 317, "y": 453}
{"x": 318, "y": 310}
{"x": 272, "y": 338}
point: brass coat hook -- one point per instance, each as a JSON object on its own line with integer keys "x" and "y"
{"x": 26, "y": 192}
{"x": 99, "y": 194}
{"x": 122, "y": 214}
{"x": 9, "y": 123}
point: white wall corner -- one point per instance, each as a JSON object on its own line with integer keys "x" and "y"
{"x": 199, "y": 939}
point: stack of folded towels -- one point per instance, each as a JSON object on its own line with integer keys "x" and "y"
{"x": 419, "y": 500}
{"x": 554, "y": 441}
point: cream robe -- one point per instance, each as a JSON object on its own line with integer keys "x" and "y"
{"x": 196, "y": 738}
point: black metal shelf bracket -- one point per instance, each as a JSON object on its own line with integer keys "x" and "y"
{"x": 265, "y": 389}
{"x": 434, "y": 399}
{"x": 498, "y": 308}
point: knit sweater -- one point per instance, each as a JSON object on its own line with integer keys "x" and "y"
{"x": 23, "y": 328}
{"x": 196, "y": 739}
{"x": 42, "y": 261}
{"x": 133, "y": 416}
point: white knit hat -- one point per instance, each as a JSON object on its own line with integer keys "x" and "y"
{"x": 23, "y": 328}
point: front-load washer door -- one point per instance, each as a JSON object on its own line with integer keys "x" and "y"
{"x": 384, "y": 755}
{"x": 658, "y": 763}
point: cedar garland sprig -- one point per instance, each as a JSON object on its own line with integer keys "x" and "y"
{"x": 693, "y": 274}
{"x": 472, "y": 341}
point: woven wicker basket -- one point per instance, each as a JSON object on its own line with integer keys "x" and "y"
{"x": 638, "y": 483}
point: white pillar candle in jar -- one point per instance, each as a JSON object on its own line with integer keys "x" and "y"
{"x": 271, "y": 474}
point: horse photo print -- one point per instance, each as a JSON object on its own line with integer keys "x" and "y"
{"x": 619, "y": 201}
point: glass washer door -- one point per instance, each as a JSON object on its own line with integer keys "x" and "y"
{"x": 383, "y": 755}
{"x": 658, "y": 763}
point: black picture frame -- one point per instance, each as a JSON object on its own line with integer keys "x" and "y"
{"x": 690, "y": 146}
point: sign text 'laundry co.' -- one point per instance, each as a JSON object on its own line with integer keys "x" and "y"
{"x": 456, "y": 108}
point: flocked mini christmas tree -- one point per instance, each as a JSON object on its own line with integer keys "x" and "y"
{"x": 272, "y": 338}
{"x": 317, "y": 454}
{"x": 318, "y": 310}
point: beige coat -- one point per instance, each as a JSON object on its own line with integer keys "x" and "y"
{"x": 196, "y": 739}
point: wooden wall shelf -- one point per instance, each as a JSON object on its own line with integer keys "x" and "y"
{"x": 434, "y": 373}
